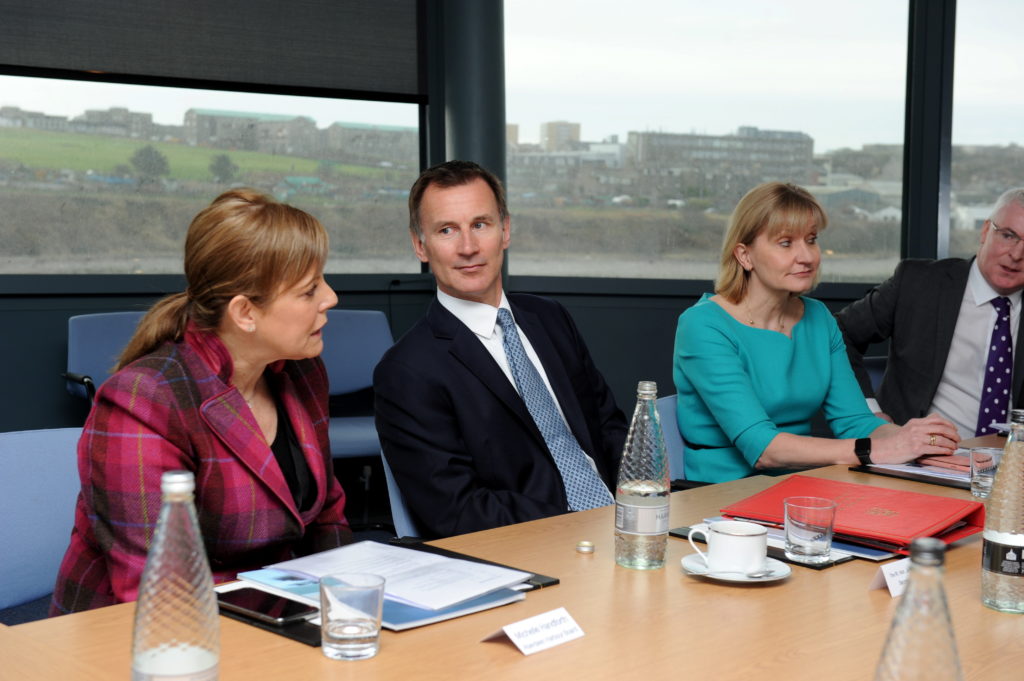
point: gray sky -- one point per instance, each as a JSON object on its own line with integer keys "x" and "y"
{"x": 835, "y": 71}
{"x": 678, "y": 66}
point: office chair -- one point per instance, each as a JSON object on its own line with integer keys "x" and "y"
{"x": 354, "y": 341}
{"x": 875, "y": 366}
{"x": 38, "y": 489}
{"x": 673, "y": 440}
{"x": 94, "y": 343}
{"x": 401, "y": 518}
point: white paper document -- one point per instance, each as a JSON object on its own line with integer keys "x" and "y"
{"x": 425, "y": 580}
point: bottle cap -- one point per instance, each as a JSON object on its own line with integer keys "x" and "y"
{"x": 651, "y": 388}
{"x": 177, "y": 482}
{"x": 1017, "y": 416}
{"x": 927, "y": 551}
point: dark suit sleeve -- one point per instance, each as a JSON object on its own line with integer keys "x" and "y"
{"x": 419, "y": 425}
{"x": 870, "y": 320}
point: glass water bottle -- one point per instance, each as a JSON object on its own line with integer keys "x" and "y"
{"x": 921, "y": 645}
{"x": 641, "y": 495}
{"x": 176, "y": 636}
{"x": 1002, "y": 553}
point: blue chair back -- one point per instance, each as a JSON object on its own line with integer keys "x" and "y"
{"x": 354, "y": 341}
{"x": 94, "y": 343}
{"x": 875, "y": 366}
{"x": 403, "y": 521}
{"x": 673, "y": 440}
{"x": 38, "y": 489}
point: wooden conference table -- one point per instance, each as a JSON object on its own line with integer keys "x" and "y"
{"x": 661, "y": 624}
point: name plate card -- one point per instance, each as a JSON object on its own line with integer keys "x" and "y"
{"x": 892, "y": 575}
{"x": 540, "y": 632}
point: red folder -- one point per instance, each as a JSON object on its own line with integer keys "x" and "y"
{"x": 873, "y": 516}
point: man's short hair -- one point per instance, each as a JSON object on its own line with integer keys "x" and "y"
{"x": 452, "y": 174}
{"x": 1008, "y": 197}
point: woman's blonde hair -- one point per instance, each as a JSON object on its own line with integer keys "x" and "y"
{"x": 772, "y": 208}
{"x": 244, "y": 243}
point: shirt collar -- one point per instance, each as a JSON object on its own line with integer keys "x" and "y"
{"x": 481, "y": 318}
{"x": 982, "y": 293}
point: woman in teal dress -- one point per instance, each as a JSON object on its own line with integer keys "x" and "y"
{"x": 757, "y": 360}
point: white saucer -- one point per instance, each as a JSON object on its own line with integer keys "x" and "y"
{"x": 693, "y": 564}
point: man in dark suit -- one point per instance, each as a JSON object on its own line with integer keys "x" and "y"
{"x": 490, "y": 410}
{"x": 939, "y": 318}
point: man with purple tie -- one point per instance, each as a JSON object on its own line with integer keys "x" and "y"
{"x": 952, "y": 326}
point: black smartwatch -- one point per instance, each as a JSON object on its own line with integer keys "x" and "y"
{"x": 862, "y": 448}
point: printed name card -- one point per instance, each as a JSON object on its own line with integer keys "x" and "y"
{"x": 540, "y": 632}
{"x": 893, "y": 575}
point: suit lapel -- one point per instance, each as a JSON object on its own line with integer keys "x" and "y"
{"x": 947, "y": 299}
{"x": 470, "y": 352}
{"x": 227, "y": 416}
{"x": 1018, "y": 362}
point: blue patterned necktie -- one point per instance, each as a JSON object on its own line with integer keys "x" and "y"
{"x": 583, "y": 486}
{"x": 995, "y": 391}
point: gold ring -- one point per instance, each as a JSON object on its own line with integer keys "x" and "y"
{"x": 932, "y": 441}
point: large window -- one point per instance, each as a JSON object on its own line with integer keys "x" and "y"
{"x": 105, "y": 178}
{"x": 633, "y": 130}
{"x": 988, "y": 156}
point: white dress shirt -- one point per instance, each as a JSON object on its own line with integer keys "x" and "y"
{"x": 959, "y": 393}
{"x": 482, "y": 320}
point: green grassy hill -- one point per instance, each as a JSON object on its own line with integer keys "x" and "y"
{"x": 42, "y": 149}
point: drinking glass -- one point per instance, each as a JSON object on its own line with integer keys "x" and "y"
{"x": 350, "y": 613}
{"x": 809, "y": 523}
{"x": 984, "y": 464}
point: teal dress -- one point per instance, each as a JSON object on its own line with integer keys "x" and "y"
{"x": 740, "y": 386}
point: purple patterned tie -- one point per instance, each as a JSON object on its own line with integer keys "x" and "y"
{"x": 995, "y": 392}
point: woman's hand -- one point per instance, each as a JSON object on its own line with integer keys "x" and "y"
{"x": 919, "y": 437}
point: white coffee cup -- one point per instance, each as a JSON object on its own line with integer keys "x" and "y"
{"x": 733, "y": 545}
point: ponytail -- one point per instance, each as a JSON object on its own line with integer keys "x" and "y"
{"x": 164, "y": 322}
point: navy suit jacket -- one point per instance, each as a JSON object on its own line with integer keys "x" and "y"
{"x": 458, "y": 437}
{"x": 916, "y": 310}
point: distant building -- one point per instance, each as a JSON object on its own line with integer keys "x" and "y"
{"x": 559, "y": 136}
{"x": 512, "y": 134}
{"x": 372, "y": 144}
{"x": 13, "y": 117}
{"x": 751, "y": 153}
{"x": 270, "y": 133}
{"x": 115, "y": 121}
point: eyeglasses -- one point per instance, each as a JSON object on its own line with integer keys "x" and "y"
{"x": 1008, "y": 239}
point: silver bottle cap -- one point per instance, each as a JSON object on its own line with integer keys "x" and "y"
{"x": 650, "y": 388}
{"x": 927, "y": 551}
{"x": 177, "y": 482}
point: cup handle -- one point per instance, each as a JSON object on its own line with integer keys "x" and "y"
{"x": 702, "y": 528}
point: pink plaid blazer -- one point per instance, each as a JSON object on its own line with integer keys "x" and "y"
{"x": 175, "y": 409}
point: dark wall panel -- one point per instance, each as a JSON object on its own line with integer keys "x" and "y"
{"x": 629, "y": 336}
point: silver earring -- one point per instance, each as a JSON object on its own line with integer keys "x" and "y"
{"x": 252, "y": 327}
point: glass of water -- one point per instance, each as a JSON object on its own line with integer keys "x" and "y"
{"x": 809, "y": 523}
{"x": 350, "y": 612}
{"x": 984, "y": 463}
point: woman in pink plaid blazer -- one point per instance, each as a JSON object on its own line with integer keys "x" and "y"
{"x": 223, "y": 380}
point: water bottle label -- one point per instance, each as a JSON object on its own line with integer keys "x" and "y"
{"x": 641, "y": 519}
{"x": 1003, "y": 559}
